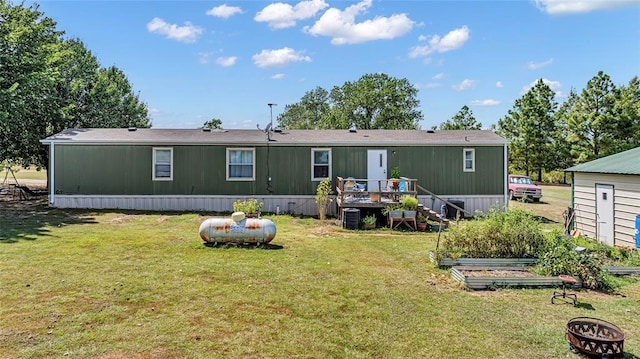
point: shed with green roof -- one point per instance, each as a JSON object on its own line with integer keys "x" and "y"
{"x": 605, "y": 197}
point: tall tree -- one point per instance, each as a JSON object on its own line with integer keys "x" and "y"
{"x": 375, "y": 101}
{"x": 48, "y": 83}
{"x": 309, "y": 113}
{"x": 627, "y": 113}
{"x": 463, "y": 120}
{"x": 28, "y": 62}
{"x": 592, "y": 125}
{"x": 529, "y": 126}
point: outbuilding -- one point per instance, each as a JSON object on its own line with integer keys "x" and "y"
{"x": 196, "y": 169}
{"x": 605, "y": 197}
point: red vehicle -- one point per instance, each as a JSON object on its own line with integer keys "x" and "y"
{"x": 521, "y": 186}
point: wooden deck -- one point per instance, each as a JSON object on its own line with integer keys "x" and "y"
{"x": 353, "y": 193}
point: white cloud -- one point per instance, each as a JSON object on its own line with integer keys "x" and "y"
{"x": 224, "y": 11}
{"x": 499, "y": 84}
{"x": 439, "y": 76}
{"x": 559, "y": 7}
{"x": 279, "y": 57}
{"x": 451, "y": 41}
{"x": 277, "y": 77}
{"x": 464, "y": 85}
{"x": 553, "y": 85}
{"x": 226, "y": 61}
{"x": 187, "y": 33}
{"x": 343, "y": 28}
{"x": 281, "y": 16}
{"x": 537, "y": 65}
{"x": 487, "y": 102}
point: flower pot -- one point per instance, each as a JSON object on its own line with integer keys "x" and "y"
{"x": 395, "y": 214}
{"x": 409, "y": 214}
{"x": 421, "y": 226}
{"x": 375, "y": 197}
{"x": 369, "y": 226}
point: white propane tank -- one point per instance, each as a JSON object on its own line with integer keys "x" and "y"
{"x": 237, "y": 229}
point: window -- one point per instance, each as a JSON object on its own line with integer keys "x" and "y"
{"x": 469, "y": 160}
{"x": 241, "y": 164}
{"x": 163, "y": 164}
{"x": 320, "y": 163}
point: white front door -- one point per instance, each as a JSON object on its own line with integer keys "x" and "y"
{"x": 376, "y": 169}
{"x": 604, "y": 213}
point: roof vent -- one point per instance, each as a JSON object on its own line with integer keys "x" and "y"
{"x": 131, "y": 129}
{"x": 353, "y": 129}
{"x": 278, "y": 130}
{"x": 206, "y": 129}
{"x": 431, "y": 131}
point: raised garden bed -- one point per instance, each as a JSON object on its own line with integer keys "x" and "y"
{"x": 487, "y": 262}
{"x": 483, "y": 277}
{"x": 622, "y": 270}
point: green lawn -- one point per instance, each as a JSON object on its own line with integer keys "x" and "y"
{"x": 24, "y": 173}
{"x": 81, "y": 284}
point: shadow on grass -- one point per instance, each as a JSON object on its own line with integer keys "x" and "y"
{"x": 28, "y": 220}
{"x": 545, "y": 220}
{"x": 267, "y": 246}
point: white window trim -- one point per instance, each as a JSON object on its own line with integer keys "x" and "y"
{"x": 313, "y": 151}
{"x": 253, "y": 173}
{"x": 473, "y": 160}
{"x": 153, "y": 164}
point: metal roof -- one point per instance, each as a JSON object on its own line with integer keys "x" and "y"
{"x": 284, "y": 137}
{"x": 627, "y": 163}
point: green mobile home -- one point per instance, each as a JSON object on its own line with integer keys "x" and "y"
{"x": 196, "y": 169}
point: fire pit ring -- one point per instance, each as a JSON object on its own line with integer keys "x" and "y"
{"x": 595, "y": 337}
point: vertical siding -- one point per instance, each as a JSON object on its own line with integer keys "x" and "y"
{"x": 200, "y": 170}
{"x": 626, "y": 204}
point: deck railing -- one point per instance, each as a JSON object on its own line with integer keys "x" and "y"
{"x": 349, "y": 189}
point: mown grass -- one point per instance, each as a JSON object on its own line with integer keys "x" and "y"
{"x": 142, "y": 285}
{"x": 24, "y": 173}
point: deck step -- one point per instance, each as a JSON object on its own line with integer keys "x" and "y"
{"x": 433, "y": 215}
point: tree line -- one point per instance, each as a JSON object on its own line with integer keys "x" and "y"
{"x": 49, "y": 83}
{"x": 601, "y": 120}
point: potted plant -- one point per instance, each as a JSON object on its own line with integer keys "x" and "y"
{"x": 393, "y": 210}
{"x": 409, "y": 205}
{"x": 421, "y": 223}
{"x": 369, "y": 222}
{"x": 251, "y": 207}
{"x": 395, "y": 178}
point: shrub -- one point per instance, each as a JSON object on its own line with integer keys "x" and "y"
{"x": 513, "y": 234}
{"x": 322, "y": 197}
{"x": 561, "y": 257}
{"x": 250, "y": 207}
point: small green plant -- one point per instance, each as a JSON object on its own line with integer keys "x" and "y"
{"x": 322, "y": 198}
{"x": 395, "y": 172}
{"x": 409, "y": 202}
{"x": 250, "y": 207}
{"x": 392, "y": 207}
{"x": 370, "y": 219}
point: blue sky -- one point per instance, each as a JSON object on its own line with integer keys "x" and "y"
{"x": 191, "y": 61}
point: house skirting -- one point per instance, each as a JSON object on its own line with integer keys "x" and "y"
{"x": 297, "y": 205}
